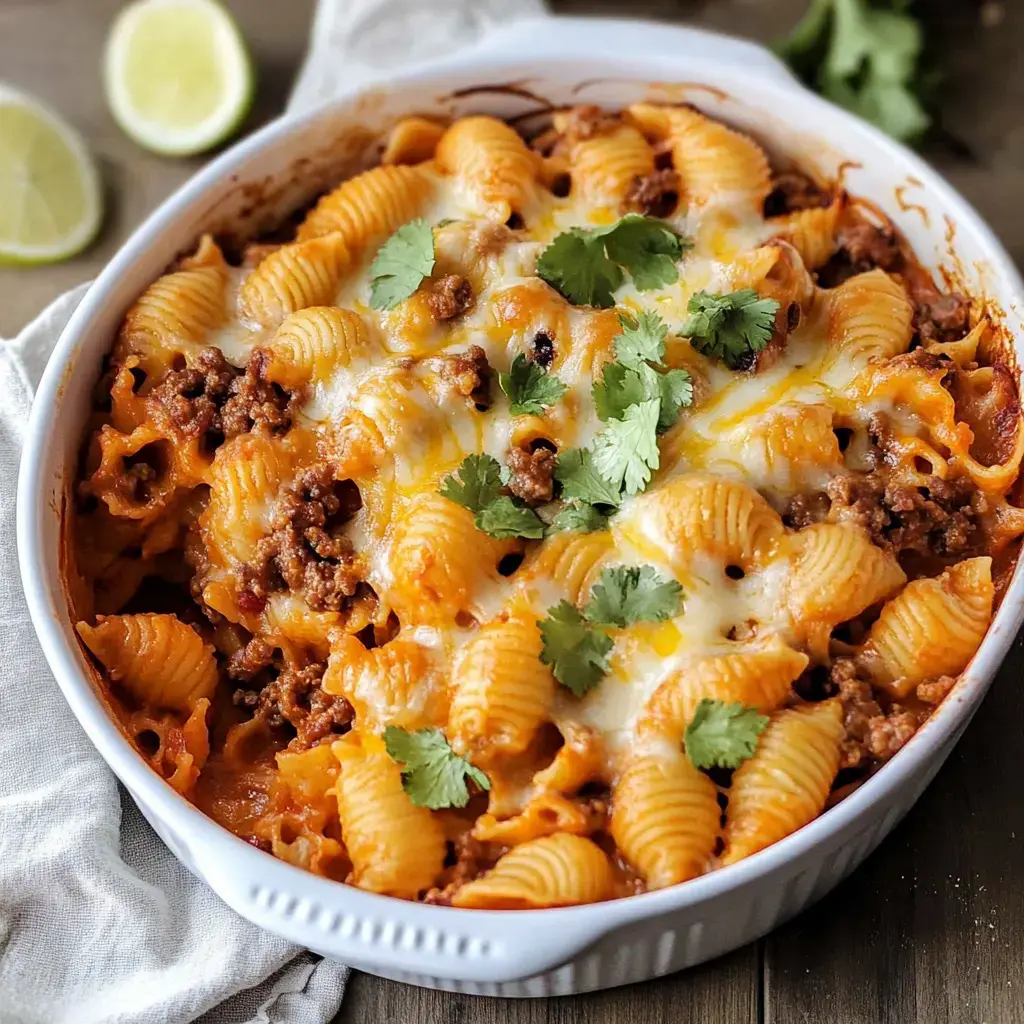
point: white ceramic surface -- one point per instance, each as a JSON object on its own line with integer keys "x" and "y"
{"x": 545, "y": 952}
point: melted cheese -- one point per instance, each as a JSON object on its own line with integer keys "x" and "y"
{"x": 747, "y": 426}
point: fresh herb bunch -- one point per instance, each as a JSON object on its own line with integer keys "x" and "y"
{"x": 865, "y": 56}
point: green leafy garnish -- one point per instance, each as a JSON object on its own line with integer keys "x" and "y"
{"x": 576, "y": 651}
{"x": 676, "y": 389}
{"x": 647, "y": 248}
{"x": 642, "y": 338}
{"x": 476, "y": 485}
{"x": 575, "y": 264}
{"x": 618, "y": 389}
{"x": 432, "y": 774}
{"x": 626, "y": 451}
{"x": 723, "y": 735}
{"x": 625, "y": 594}
{"x": 865, "y": 58}
{"x": 580, "y": 480}
{"x": 622, "y": 386}
{"x": 503, "y": 518}
{"x": 730, "y": 327}
{"x": 579, "y": 516}
{"x": 587, "y": 265}
{"x": 401, "y": 264}
{"x": 529, "y": 388}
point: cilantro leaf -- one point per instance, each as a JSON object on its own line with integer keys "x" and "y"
{"x": 432, "y": 774}
{"x": 722, "y": 735}
{"x": 575, "y": 264}
{"x": 576, "y": 651}
{"x": 618, "y": 389}
{"x": 676, "y": 390}
{"x": 401, "y": 264}
{"x": 647, "y": 248}
{"x": 730, "y": 327}
{"x": 475, "y": 484}
{"x": 865, "y": 59}
{"x": 625, "y": 594}
{"x": 503, "y": 518}
{"x": 626, "y": 451}
{"x": 642, "y": 338}
{"x": 579, "y": 516}
{"x": 586, "y": 264}
{"x": 580, "y": 480}
{"x": 529, "y": 388}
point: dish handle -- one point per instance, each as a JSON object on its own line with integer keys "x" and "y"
{"x": 368, "y": 931}
{"x": 549, "y": 37}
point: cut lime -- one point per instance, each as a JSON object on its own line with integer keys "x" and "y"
{"x": 177, "y": 75}
{"x": 50, "y": 206}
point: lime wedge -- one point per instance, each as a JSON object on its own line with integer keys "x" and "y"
{"x": 50, "y": 205}
{"x": 177, "y": 75}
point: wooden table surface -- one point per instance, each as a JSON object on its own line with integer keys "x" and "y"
{"x": 931, "y": 928}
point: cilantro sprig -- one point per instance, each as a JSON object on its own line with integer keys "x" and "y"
{"x": 529, "y": 388}
{"x": 477, "y": 485}
{"x": 625, "y": 594}
{"x": 576, "y": 651}
{"x": 722, "y": 735}
{"x": 579, "y": 516}
{"x": 731, "y": 327}
{"x": 580, "y": 480}
{"x": 576, "y": 645}
{"x": 863, "y": 56}
{"x": 632, "y": 378}
{"x": 626, "y": 451}
{"x": 587, "y": 265}
{"x": 637, "y": 399}
{"x": 401, "y": 264}
{"x": 432, "y": 774}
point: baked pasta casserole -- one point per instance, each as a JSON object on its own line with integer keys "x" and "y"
{"x": 545, "y": 520}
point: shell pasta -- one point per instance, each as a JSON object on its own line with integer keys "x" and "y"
{"x": 543, "y": 518}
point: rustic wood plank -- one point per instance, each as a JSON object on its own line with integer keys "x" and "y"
{"x": 931, "y": 928}
{"x": 52, "y": 48}
{"x": 722, "y": 992}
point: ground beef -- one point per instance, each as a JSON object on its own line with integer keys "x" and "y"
{"x": 940, "y": 318}
{"x": 584, "y": 122}
{"x": 255, "y": 402}
{"x": 872, "y": 734}
{"x": 793, "y": 191}
{"x": 934, "y": 691}
{"x": 252, "y": 659}
{"x": 940, "y": 518}
{"x": 449, "y": 297}
{"x": 472, "y": 859}
{"x": 194, "y": 397}
{"x": 655, "y": 194}
{"x": 304, "y": 552}
{"x": 532, "y": 473}
{"x": 543, "y": 349}
{"x": 296, "y": 698}
{"x": 868, "y": 246}
{"x": 469, "y": 373}
{"x": 861, "y": 246}
{"x": 804, "y": 510}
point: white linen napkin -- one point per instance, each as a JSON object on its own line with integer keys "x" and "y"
{"x": 99, "y": 923}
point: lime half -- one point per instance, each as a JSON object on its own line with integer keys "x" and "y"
{"x": 177, "y": 75}
{"x": 50, "y": 205}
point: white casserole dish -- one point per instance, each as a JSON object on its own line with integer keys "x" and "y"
{"x": 524, "y": 953}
